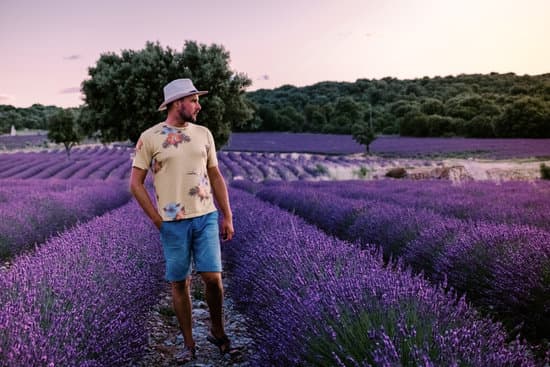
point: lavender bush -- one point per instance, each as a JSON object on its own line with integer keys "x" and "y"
{"x": 513, "y": 202}
{"x": 315, "y": 300}
{"x": 33, "y": 210}
{"x": 505, "y": 269}
{"x": 80, "y": 298}
{"x": 502, "y": 267}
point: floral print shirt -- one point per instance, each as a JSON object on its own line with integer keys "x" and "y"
{"x": 178, "y": 159}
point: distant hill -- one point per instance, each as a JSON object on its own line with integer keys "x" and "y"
{"x": 474, "y": 105}
{"x": 30, "y": 118}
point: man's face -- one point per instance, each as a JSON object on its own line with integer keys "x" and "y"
{"x": 188, "y": 108}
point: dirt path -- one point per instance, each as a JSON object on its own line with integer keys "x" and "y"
{"x": 165, "y": 339}
{"x": 454, "y": 169}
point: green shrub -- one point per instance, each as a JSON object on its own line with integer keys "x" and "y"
{"x": 362, "y": 172}
{"x": 321, "y": 170}
{"x": 544, "y": 171}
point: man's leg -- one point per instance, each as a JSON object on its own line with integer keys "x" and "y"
{"x": 214, "y": 299}
{"x": 181, "y": 297}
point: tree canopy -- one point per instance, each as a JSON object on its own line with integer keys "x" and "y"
{"x": 63, "y": 129}
{"x": 124, "y": 91}
{"x": 474, "y": 105}
{"x": 34, "y": 117}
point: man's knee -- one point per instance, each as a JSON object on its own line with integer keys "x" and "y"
{"x": 212, "y": 279}
{"x": 182, "y": 285}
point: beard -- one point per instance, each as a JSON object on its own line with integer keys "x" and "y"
{"x": 187, "y": 117}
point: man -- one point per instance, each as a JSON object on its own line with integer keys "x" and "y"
{"x": 182, "y": 158}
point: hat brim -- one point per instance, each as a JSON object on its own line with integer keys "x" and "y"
{"x": 180, "y": 96}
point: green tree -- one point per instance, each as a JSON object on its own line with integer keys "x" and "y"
{"x": 432, "y": 106}
{"x": 291, "y": 119}
{"x": 440, "y": 125}
{"x": 472, "y": 102}
{"x": 346, "y": 113}
{"x": 269, "y": 117}
{"x": 63, "y": 129}
{"x": 9, "y": 116}
{"x": 34, "y": 117}
{"x": 363, "y": 132}
{"x": 481, "y": 126}
{"x": 315, "y": 118}
{"x": 526, "y": 117}
{"x": 465, "y": 106}
{"x": 414, "y": 123}
{"x": 124, "y": 91}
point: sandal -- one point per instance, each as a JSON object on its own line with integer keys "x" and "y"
{"x": 188, "y": 354}
{"x": 224, "y": 344}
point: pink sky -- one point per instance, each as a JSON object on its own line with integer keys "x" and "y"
{"x": 46, "y": 47}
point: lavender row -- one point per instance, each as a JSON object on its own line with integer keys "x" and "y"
{"x": 388, "y": 145}
{"x": 89, "y": 162}
{"x": 22, "y": 141}
{"x": 110, "y": 163}
{"x": 259, "y": 167}
{"x": 316, "y": 300}
{"x": 82, "y": 297}
{"x": 501, "y": 267}
{"x": 345, "y": 144}
{"x": 33, "y": 210}
{"x": 511, "y": 202}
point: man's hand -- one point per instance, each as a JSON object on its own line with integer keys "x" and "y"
{"x": 158, "y": 223}
{"x": 137, "y": 187}
{"x": 227, "y": 231}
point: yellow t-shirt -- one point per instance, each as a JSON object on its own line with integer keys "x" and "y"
{"x": 178, "y": 159}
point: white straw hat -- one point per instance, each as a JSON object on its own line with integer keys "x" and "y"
{"x": 177, "y": 89}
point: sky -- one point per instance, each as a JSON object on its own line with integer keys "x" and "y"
{"x": 47, "y": 46}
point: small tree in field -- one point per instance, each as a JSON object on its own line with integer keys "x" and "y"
{"x": 363, "y": 133}
{"x": 63, "y": 128}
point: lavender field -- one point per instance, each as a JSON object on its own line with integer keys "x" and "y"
{"x": 329, "y": 272}
{"x": 8, "y": 142}
{"x": 389, "y": 145}
{"x": 104, "y": 163}
{"x": 330, "y": 303}
{"x": 493, "y": 246}
{"x": 33, "y": 210}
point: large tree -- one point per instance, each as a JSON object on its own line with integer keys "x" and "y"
{"x": 124, "y": 91}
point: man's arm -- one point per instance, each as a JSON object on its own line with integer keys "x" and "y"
{"x": 137, "y": 188}
{"x": 219, "y": 189}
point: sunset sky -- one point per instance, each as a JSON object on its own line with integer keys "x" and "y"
{"x": 46, "y": 47}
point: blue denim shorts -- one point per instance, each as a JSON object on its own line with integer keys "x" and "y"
{"x": 191, "y": 241}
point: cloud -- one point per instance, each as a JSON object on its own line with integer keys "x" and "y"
{"x": 343, "y": 35}
{"x": 72, "y": 57}
{"x": 263, "y": 77}
{"x": 70, "y": 90}
{"x": 6, "y": 98}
